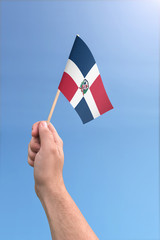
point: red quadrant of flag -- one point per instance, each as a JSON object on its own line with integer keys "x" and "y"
{"x": 100, "y": 96}
{"x": 67, "y": 86}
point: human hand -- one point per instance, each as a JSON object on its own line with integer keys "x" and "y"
{"x": 45, "y": 154}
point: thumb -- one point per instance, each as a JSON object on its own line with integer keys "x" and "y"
{"x": 45, "y": 135}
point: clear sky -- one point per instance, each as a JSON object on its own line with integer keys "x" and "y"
{"x": 111, "y": 164}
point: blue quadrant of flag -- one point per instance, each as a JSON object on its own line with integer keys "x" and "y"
{"x": 82, "y": 56}
{"x": 83, "y": 111}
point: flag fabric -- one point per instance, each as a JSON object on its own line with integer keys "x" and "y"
{"x": 82, "y": 85}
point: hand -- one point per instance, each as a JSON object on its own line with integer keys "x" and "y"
{"x": 45, "y": 154}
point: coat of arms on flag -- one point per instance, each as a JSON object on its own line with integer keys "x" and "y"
{"x": 82, "y": 85}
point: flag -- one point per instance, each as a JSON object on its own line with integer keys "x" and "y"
{"x": 82, "y": 85}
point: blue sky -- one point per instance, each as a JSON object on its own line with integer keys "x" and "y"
{"x": 111, "y": 164}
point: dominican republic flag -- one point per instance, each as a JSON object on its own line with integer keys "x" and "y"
{"x": 82, "y": 85}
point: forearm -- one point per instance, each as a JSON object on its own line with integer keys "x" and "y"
{"x": 65, "y": 219}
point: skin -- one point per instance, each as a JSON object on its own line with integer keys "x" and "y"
{"x": 45, "y": 154}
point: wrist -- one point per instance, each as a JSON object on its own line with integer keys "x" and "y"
{"x": 50, "y": 190}
{"x": 52, "y": 198}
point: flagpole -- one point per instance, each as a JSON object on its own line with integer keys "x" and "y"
{"x": 53, "y": 105}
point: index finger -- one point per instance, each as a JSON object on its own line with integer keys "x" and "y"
{"x": 35, "y": 131}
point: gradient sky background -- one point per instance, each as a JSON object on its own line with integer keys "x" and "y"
{"x": 111, "y": 164}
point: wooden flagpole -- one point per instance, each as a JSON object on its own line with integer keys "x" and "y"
{"x": 53, "y": 105}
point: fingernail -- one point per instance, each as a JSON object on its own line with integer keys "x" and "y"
{"x": 44, "y": 124}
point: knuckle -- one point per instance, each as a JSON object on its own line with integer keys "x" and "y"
{"x": 35, "y": 147}
{"x": 30, "y": 162}
{"x": 32, "y": 141}
{"x": 36, "y": 140}
{"x": 32, "y": 155}
{"x": 53, "y": 148}
{"x": 31, "y": 147}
